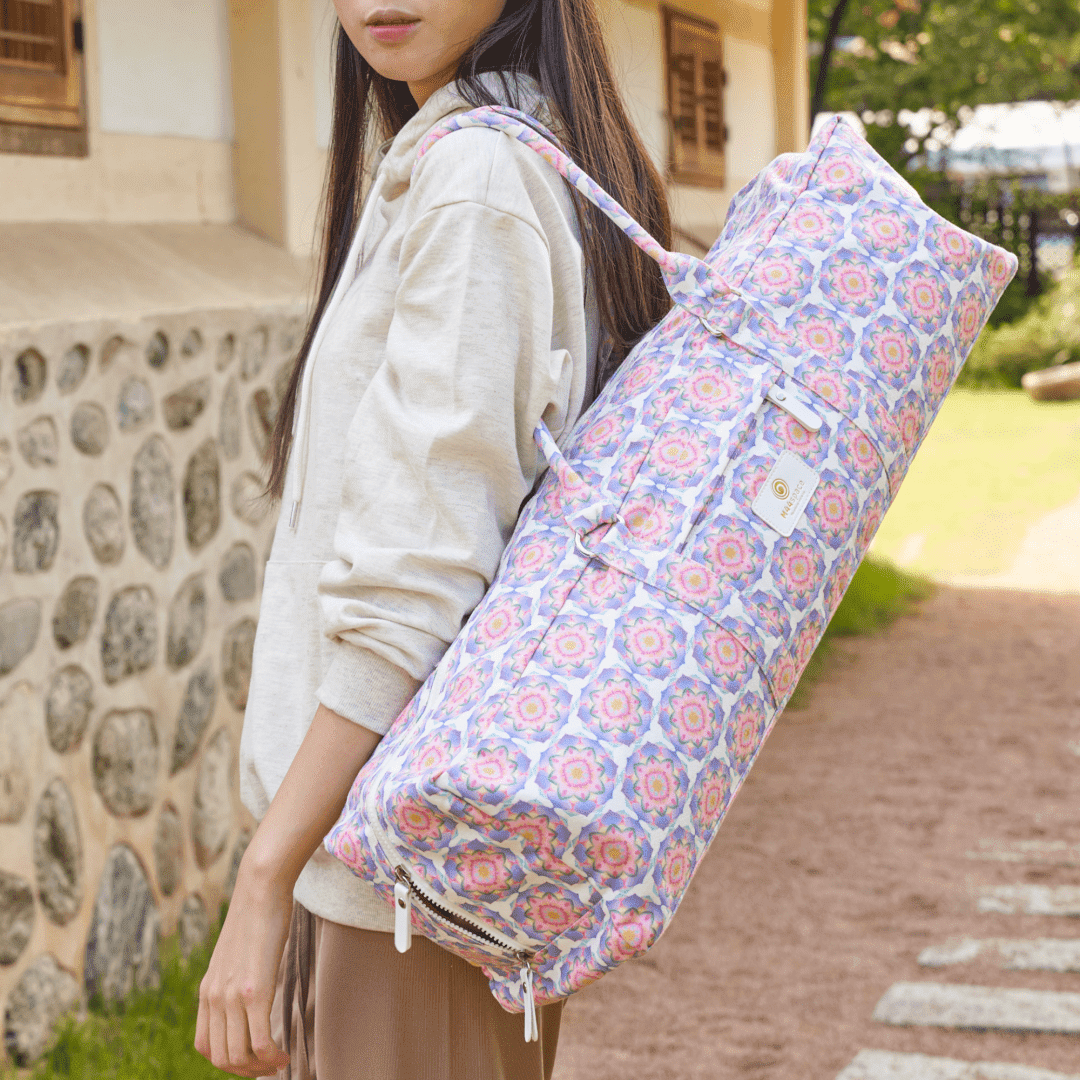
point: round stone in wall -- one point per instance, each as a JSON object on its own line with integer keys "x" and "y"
{"x": 195, "y": 713}
{"x": 117, "y": 348}
{"x": 192, "y": 343}
{"x": 211, "y": 818}
{"x": 89, "y": 428}
{"x": 75, "y": 611}
{"x": 237, "y": 573}
{"x": 153, "y": 509}
{"x": 68, "y": 704}
{"x": 103, "y": 523}
{"x": 236, "y": 649}
{"x": 126, "y": 760}
{"x": 16, "y": 916}
{"x": 30, "y": 375}
{"x": 193, "y": 926}
{"x": 20, "y": 622}
{"x": 122, "y": 945}
{"x": 187, "y": 622}
{"x": 229, "y": 428}
{"x": 7, "y": 465}
{"x": 58, "y": 855}
{"x": 157, "y": 350}
{"x": 202, "y": 495}
{"x": 36, "y": 531}
{"x": 184, "y": 407}
{"x": 38, "y": 443}
{"x": 135, "y": 406}
{"x": 253, "y": 352}
{"x": 20, "y": 714}
{"x": 169, "y": 850}
{"x": 44, "y": 994}
{"x": 73, "y": 367}
{"x": 226, "y": 350}
{"x": 129, "y": 642}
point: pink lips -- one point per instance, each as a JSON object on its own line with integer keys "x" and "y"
{"x": 391, "y": 33}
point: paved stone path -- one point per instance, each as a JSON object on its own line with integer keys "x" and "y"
{"x": 1040, "y": 954}
{"x": 1050, "y": 852}
{"x": 1031, "y": 900}
{"x": 979, "y": 1008}
{"x": 888, "y": 1065}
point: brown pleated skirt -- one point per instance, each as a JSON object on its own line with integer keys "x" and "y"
{"x": 349, "y": 1006}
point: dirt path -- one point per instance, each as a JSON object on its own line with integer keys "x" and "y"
{"x": 843, "y": 857}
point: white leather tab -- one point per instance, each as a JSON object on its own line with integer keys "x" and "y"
{"x": 786, "y": 491}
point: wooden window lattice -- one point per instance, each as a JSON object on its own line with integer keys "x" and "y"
{"x": 31, "y": 34}
{"x": 695, "y": 84}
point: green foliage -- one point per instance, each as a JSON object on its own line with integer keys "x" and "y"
{"x": 149, "y": 1037}
{"x": 878, "y": 595}
{"x": 1049, "y": 333}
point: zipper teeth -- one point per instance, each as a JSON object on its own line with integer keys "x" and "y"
{"x": 474, "y": 929}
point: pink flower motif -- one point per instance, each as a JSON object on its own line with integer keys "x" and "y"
{"x": 1000, "y": 269}
{"x": 577, "y": 773}
{"x": 854, "y": 285}
{"x": 647, "y": 518}
{"x": 618, "y": 709}
{"x": 632, "y": 459}
{"x": 679, "y": 453}
{"x": 822, "y": 333}
{"x": 710, "y": 392}
{"x": 782, "y": 675}
{"x": 676, "y": 868}
{"x": 807, "y": 639}
{"x": 433, "y": 755}
{"x": 694, "y": 581}
{"x": 746, "y": 731}
{"x": 602, "y": 433}
{"x": 725, "y": 657}
{"x": 782, "y": 278}
{"x": 613, "y": 853}
{"x": 922, "y": 295}
{"x": 530, "y": 558}
{"x": 602, "y": 586}
{"x": 571, "y": 645}
{"x": 644, "y": 373}
{"x": 953, "y": 247}
{"x": 798, "y": 569}
{"x": 483, "y": 872}
{"x": 749, "y": 478}
{"x": 830, "y": 386}
{"x": 842, "y": 176}
{"x": 892, "y": 350}
{"x": 581, "y": 971}
{"x": 532, "y": 708}
{"x": 418, "y": 822}
{"x": 650, "y": 643}
{"x": 489, "y": 768}
{"x": 691, "y": 717}
{"x": 886, "y": 231}
{"x": 498, "y": 624}
{"x": 655, "y": 786}
{"x": 631, "y": 934}
{"x": 711, "y": 800}
{"x": 872, "y": 515}
{"x": 464, "y": 688}
{"x": 550, "y": 914}
{"x": 858, "y": 453}
{"x": 834, "y": 511}
{"x": 969, "y": 318}
{"x": 841, "y": 577}
{"x": 815, "y": 226}
{"x": 938, "y": 373}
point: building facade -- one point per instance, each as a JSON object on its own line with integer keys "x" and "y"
{"x": 160, "y": 170}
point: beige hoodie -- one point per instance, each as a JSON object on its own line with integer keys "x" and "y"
{"x": 458, "y": 322}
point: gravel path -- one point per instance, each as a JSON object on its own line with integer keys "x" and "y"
{"x": 844, "y": 857}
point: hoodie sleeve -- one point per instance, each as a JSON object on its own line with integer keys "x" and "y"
{"x": 439, "y": 455}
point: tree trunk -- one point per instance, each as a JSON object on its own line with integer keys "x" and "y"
{"x": 827, "y": 47}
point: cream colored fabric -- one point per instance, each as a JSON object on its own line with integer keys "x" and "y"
{"x": 459, "y": 321}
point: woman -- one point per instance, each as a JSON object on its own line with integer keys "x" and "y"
{"x": 466, "y": 302}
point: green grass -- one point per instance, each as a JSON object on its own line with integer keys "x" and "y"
{"x": 878, "y": 595}
{"x": 993, "y": 463}
{"x": 150, "y": 1037}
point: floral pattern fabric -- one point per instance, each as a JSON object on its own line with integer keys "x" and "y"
{"x": 558, "y": 778}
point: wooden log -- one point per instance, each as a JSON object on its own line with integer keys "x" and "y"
{"x": 1060, "y": 383}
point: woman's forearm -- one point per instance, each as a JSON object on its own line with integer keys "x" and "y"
{"x": 310, "y": 798}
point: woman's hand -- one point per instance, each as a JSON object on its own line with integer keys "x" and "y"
{"x": 237, "y": 992}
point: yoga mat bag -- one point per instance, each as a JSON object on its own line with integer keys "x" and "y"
{"x": 541, "y": 805}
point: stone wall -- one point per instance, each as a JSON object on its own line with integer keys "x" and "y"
{"x": 132, "y": 547}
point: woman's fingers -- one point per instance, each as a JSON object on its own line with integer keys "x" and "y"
{"x": 202, "y": 1025}
{"x": 219, "y": 1045}
{"x": 266, "y": 1051}
{"x": 236, "y": 1034}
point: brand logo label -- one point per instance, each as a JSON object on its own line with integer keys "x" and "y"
{"x": 785, "y": 493}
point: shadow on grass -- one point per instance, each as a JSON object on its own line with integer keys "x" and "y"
{"x": 878, "y": 595}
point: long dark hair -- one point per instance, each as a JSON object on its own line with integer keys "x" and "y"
{"x": 560, "y": 44}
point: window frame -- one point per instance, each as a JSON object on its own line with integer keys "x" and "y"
{"x": 697, "y": 165}
{"x": 41, "y": 111}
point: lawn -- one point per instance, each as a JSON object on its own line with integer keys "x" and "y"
{"x": 992, "y": 465}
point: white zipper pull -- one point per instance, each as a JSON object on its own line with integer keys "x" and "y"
{"x": 402, "y": 916}
{"x": 532, "y": 1028}
{"x": 790, "y": 404}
